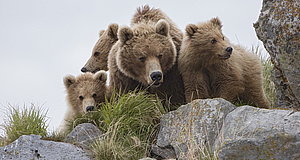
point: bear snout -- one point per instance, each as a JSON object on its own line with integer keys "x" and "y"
{"x": 229, "y": 50}
{"x": 83, "y": 69}
{"x": 89, "y": 108}
{"x": 156, "y": 77}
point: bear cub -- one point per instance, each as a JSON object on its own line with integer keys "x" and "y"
{"x": 84, "y": 92}
{"x": 212, "y": 67}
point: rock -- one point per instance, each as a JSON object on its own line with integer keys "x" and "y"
{"x": 32, "y": 147}
{"x": 252, "y": 133}
{"x": 167, "y": 152}
{"x": 84, "y": 135}
{"x": 147, "y": 158}
{"x": 193, "y": 125}
{"x": 278, "y": 28}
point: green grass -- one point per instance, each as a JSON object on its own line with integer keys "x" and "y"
{"x": 268, "y": 84}
{"x": 130, "y": 122}
{"x": 24, "y": 121}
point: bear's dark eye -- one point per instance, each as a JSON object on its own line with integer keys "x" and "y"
{"x": 81, "y": 97}
{"x": 142, "y": 59}
{"x": 94, "y": 95}
{"x": 223, "y": 38}
{"x": 159, "y": 56}
{"x": 213, "y": 41}
{"x": 96, "y": 54}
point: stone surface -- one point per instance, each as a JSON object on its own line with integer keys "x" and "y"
{"x": 278, "y": 28}
{"x": 32, "y": 147}
{"x": 252, "y": 133}
{"x": 193, "y": 125}
{"x": 84, "y": 135}
{"x": 167, "y": 152}
{"x": 147, "y": 158}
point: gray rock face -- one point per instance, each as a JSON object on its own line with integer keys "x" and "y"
{"x": 83, "y": 134}
{"x": 278, "y": 28}
{"x": 32, "y": 147}
{"x": 195, "y": 124}
{"x": 252, "y": 133}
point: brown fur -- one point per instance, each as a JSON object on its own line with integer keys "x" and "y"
{"x": 85, "y": 90}
{"x": 150, "y": 44}
{"x": 209, "y": 71}
{"x": 98, "y": 60}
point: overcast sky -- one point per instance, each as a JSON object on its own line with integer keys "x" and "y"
{"x": 41, "y": 41}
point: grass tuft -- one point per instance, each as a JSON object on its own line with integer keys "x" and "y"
{"x": 130, "y": 122}
{"x": 268, "y": 84}
{"x": 25, "y": 121}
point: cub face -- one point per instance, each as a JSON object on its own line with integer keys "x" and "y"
{"x": 146, "y": 57}
{"x": 86, "y": 91}
{"x": 207, "y": 38}
{"x": 98, "y": 60}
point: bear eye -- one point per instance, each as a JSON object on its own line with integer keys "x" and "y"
{"x": 142, "y": 59}
{"x": 223, "y": 38}
{"x": 81, "y": 97}
{"x": 159, "y": 56}
{"x": 213, "y": 41}
{"x": 94, "y": 95}
{"x": 96, "y": 54}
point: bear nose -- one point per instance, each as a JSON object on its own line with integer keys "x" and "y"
{"x": 229, "y": 49}
{"x": 89, "y": 108}
{"x": 83, "y": 70}
{"x": 156, "y": 76}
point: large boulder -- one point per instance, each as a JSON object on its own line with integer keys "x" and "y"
{"x": 278, "y": 28}
{"x": 32, "y": 147}
{"x": 193, "y": 126}
{"x": 252, "y": 133}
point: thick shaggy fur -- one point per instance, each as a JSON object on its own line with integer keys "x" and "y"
{"x": 83, "y": 91}
{"x": 151, "y": 44}
{"x": 210, "y": 71}
{"x": 98, "y": 60}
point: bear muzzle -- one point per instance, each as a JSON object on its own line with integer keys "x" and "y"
{"x": 156, "y": 77}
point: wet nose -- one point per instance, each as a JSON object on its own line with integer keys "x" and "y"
{"x": 229, "y": 49}
{"x": 89, "y": 108}
{"x": 156, "y": 76}
{"x": 83, "y": 70}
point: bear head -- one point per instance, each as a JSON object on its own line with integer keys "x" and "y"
{"x": 98, "y": 60}
{"x": 86, "y": 91}
{"x": 146, "y": 52}
{"x": 206, "y": 42}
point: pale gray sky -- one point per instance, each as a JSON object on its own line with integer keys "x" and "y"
{"x": 41, "y": 41}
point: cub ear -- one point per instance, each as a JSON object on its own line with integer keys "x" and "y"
{"x": 69, "y": 80}
{"x": 112, "y": 31}
{"x": 217, "y": 22}
{"x": 100, "y": 75}
{"x": 191, "y": 29}
{"x": 125, "y": 34}
{"x": 162, "y": 27}
{"x": 101, "y": 32}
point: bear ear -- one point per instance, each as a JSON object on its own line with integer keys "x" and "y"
{"x": 191, "y": 29}
{"x": 217, "y": 22}
{"x": 101, "y": 75}
{"x": 69, "y": 80}
{"x": 125, "y": 34}
{"x": 101, "y": 32}
{"x": 112, "y": 31}
{"x": 162, "y": 27}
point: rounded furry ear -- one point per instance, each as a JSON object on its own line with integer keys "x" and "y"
{"x": 69, "y": 80}
{"x": 112, "y": 31}
{"x": 100, "y": 75}
{"x": 191, "y": 29}
{"x": 162, "y": 27}
{"x": 125, "y": 34}
{"x": 101, "y": 32}
{"x": 217, "y": 22}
